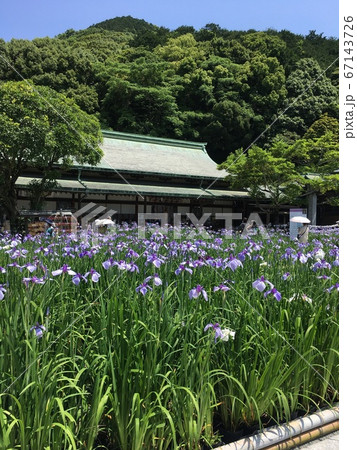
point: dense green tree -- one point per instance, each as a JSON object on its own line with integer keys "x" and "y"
{"x": 126, "y": 24}
{"x": 266, "y": 174}
{"x": 229, "y": 48}
{"x": 322, "y": 126}
{"x": 310, "y": 94}
{"x": 53, "y": 63}
{"x": 98, "y": 43}
{"x": 35, "y": 134}
{"x": 323, "y": 50}
{"x": 293, "y": 50}
{"x": 183, "y": 29}
{"x": 320, "y": 157}
{"x": 144, "y": 110}
{"x": 184, "y": 46}
{"x": 264, "y": 44}
{"x": 211, "y": 31}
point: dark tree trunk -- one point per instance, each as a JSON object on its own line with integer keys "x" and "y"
{"x": 9, "y": 203}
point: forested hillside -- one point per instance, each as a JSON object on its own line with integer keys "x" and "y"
{"x": 212, "y": 85}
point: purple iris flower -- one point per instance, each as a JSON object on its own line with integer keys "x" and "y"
{"x": 241, "y": 255}
{"x": 217, "y": 329}
{"x": 156, "y": 278}
{"x": 143, "y": 288}
{"x": 155, "y": 260}
{"x": 34, "y": 280}
{"x": 181, "y": 268}
{"x": 30, "y": 267}
{"x": 16, "y": 253}
{"x": 122, "y": 265}
{"x": 132, "y": 253}
{"x": 197, "y": 291}
{"x": 67, "y": 251}
{"x": 94, "y": 275}
{"x": 39, "y": 329}
{"x": 109, "y": 263}
{"x": 302, "y": 257}
{"x": 335, "y": 286}
{"x": 2, "y": 270}
{"x": 221, "y": 287}
{"x": 274, "y": 292}
{"x": 260, "y": 284}
{"x": 324, "y": 277}
{"x": 77, "y": 279}
{"x": 285, "y": 276}
{"x": 132, "y": 267}
{"x": 63, "y": 269}
{"x": 288, "y": 253}
{"x": 321, "y": 265}
{"x": 2, "y": 292}
{"x": 233, "y": 263}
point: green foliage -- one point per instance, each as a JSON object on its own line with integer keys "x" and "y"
{"x": 126, "y": 23}
{"x": 41, "y": 129}
{"x": 216, "y": 85}
{"x": 322, "y": 126}
{"x": 310, "y": 95}
{"x": 323, "y": 50}
{"x": 39, "y": 190}
{"x": 118, "y": 370}
{"x": 321, "y": 144}
{"x": 144, "y": 110}
{"x": 265, "y": 174}
{"x": 53, "y": 63}
{"x": 281, "y": 170}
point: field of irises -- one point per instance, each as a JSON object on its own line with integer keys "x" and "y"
{"x": 119, "y": 342}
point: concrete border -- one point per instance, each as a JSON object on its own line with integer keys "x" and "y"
{"x": 308, "y": 428}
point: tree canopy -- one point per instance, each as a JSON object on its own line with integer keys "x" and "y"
{"x": 41, "y": 128}
{"x": 281, "y": 171}
{"x": 223, "y": 87}
{"x": 266, "y": 174}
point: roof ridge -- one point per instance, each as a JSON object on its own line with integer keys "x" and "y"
{"x": 154, "y": 140}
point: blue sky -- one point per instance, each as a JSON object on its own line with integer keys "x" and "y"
{"x": 28, "y": 19}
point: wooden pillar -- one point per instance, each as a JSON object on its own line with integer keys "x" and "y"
{"x": 312, "y": 208}
{"x": 136, "y": 206}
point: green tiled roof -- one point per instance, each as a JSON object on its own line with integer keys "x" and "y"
{"x": 132, "y": 153}
{"x": 135, "y": 189}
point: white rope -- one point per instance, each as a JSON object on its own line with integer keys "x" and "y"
{"x": 335, "y": 225}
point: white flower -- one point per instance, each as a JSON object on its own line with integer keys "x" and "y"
{"x": 302, "y": 296}
{"x": 303, "y": 259}
{"x": 226, "y": 333}
{"x": 320, "y": 254}
{"x": 306, "y": 298}
{"x": 263, "y": 264}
